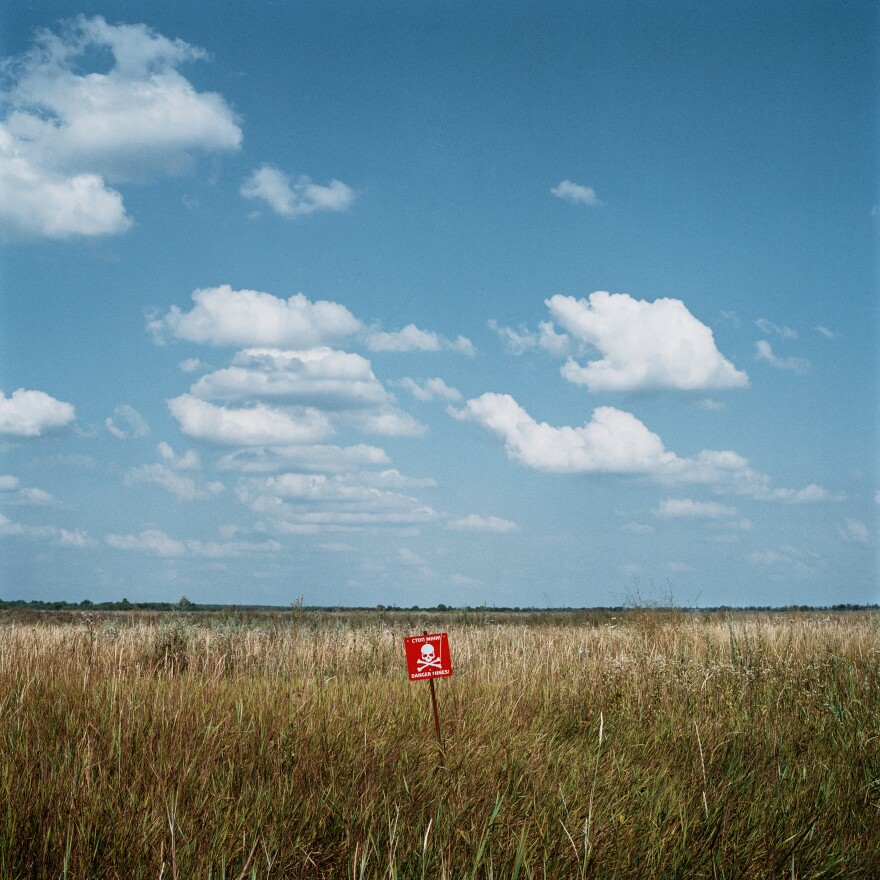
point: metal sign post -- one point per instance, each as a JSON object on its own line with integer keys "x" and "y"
{"x": 437, "y": 723}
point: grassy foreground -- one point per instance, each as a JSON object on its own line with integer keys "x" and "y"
{"x": 647, "y": 745}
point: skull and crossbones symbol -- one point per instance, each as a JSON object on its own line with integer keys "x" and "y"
{"x": 429, "y": 659}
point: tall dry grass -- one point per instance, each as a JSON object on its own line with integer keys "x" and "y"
{"x": 293, "y": 746}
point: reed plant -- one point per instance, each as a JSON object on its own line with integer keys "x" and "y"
{"x": 643, "y": 744}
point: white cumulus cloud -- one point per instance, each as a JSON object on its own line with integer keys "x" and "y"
{"x": 70, "y": 127}
{"x": 223, "y": 316}
{"x": 307, "y": 391}
{"x": 303, "y": 197}
{"x": 297, "y": 503}
{"x": 642, "y": 344}
{"x": 321, "y": 377}
{"x": 36, "y": 202}
{"x": 33, "y": 413}
{"x": 257, "y": 425}
{"x": 613, "y": 441}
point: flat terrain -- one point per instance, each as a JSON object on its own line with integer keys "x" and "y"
{"x": 643, "y": 744}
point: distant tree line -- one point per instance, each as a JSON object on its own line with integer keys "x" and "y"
{"x": 185, "y": 605}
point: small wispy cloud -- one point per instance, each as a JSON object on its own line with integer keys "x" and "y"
{"x": 676, "y": 567}
{"x": 167, "y": 474}
{"x": 764, "y": 352}
{"x": 303, "y": 197}
{"x": 828, "y": 334}
{"x": 429, "y": 389}
{"x": 412, "y": 338}
{"x": 127, "y": 423}
{"x": 687, "y": 508}
{"x": 801, "y": 562}
{"x": 407, "y": 557}
{"x": 808, "y": 495}
{"x": 59, "y": 537}
{"x": 12, "y": 493}
{"x": 576, "y": 194}
{"x": 475, "y": 523}
{"x": 769, "y": 328}
{"x": 854, "y": 531}
{"x": 520, "y": 340}
{"x": 709, "y": 403}
{"x": 192, "y": 365}
{"x": 157, "y": 543}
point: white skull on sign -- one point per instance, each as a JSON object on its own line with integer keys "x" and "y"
{"x": 429, "y": 658}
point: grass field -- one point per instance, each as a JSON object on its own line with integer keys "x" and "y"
{"x": 644, "y": 744}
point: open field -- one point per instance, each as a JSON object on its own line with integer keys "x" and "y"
{"x": 643, "y": 744}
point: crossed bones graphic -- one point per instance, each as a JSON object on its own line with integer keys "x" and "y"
{"x": 429, "y": 659}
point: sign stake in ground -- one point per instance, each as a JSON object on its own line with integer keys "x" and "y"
{"x": 427, "y": 657}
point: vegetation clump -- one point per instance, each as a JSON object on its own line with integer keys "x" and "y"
{"x": 291, "y": 744}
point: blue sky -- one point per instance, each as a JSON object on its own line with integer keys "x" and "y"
{"x": 406, "y": 303}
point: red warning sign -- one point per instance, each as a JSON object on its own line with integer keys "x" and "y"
{"x": 428, "y": 656}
